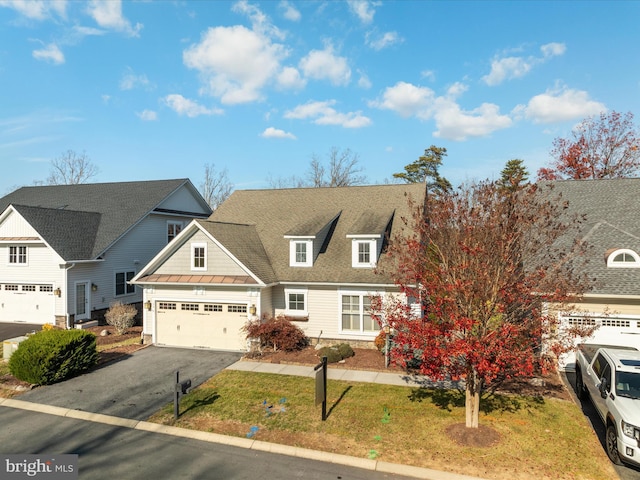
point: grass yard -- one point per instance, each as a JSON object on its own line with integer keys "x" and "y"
{"x": 539, "y": 438}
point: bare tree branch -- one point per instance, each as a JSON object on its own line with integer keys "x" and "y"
{"x": 215, "y": 186}
{"x": 71, "y": 168}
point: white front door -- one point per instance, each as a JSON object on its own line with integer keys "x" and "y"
{"x": 82, "y": 300}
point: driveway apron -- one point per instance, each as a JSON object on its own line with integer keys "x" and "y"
{"x": 135, "y": 386}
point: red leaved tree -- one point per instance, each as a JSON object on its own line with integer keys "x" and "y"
{"x": 603, "y": 147}
{"x": 483, "y": 262}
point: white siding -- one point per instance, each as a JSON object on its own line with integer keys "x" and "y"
{"x": 15, "y": 226}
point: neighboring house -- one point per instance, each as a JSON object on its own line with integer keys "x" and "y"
{"x": 309, "y": 254}
{"x": 611, "y": 229}
{"x": 67, "y": 252}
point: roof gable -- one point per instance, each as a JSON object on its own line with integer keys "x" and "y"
{"x": 91, "y": 217}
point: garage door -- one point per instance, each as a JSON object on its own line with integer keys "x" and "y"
{"x": 27, "y": 303}
{"x": 201, "y": 325}
{"x": 611, "y": 330}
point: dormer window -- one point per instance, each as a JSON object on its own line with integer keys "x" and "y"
{"x": 300, "y": 252}
{"x": 623, "y": 258}
{"x": 364, "y": 252}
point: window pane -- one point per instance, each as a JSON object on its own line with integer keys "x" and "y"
{"x": 120, "y": 283}
{"x": 301, "y": 252}
{"x": 296, "y": 301}
{"x": 198, "y": 257}
{"x": 130, "y": 288}
{"x": 351, "y": 312}
{"x": 364, "y": 253}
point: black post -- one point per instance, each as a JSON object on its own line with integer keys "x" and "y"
{"x": 321, "y": 389}
{"x": 176, "y": 397}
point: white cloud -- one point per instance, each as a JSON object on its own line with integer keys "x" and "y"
{"x": 271, "y": 132}
{"x": 147, "y": 115}
{"x": 260, "y": 22}
{"x": 363, "y": 9}
{"x": 130, "y": 80}
{"x": 108, "y": 14}
{"x": 407, "y": 100}
{"x": 553, "y": 49}
{"x": 324, "y": 65}
{"x": 363, "y": 81}
{"x": 235, "y": 63}
{"x": 184, "y": 106}
{"x": 378, "y": 42}
{"x": 50, "y": 53}
{"x": 37, "y": 9}
{"x": 560, "y": 104}
{"x": 290, "y": 78}
{"x": 509, "y": 68}
{"x": 323, "y": 113}
{"x": 289, "y": 11}
{"x": 452, "y": 122}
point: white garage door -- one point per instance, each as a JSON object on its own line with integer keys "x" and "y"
{"x": 27, "y": 303}
{"x": 201, "y": 325}
{"x": 611, "y": 330}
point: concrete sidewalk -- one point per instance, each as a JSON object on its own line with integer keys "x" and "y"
{"x": 344, "y": 374}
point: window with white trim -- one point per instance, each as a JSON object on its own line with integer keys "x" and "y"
{"x": 623, "y": 258}
{"x": 301, "y": 253}
{"x": 123, "y": 287}
{"x": 198, "y": 256}
{"x": 355, "y": 313}
{"x": 363, "y": 253}
{"x": 173, "y": 229}
{"x": 17, "y": 254}
{"x": 296, "y": 301}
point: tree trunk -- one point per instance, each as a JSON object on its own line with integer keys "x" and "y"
{"x": 472, "y": 400}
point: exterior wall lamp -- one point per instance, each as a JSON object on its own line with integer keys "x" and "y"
{"x": 147, "y": 305}
{"x": 94, "y": 287}
{"x": 57, "y": 292}
{"x": 252, "y": 310}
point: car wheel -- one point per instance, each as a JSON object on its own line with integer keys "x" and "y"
{"x": 580, "y": 392}
{"x": 611, "y": 442}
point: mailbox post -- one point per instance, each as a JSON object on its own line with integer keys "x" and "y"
{"x": 321, "y": 386}
{"x": 180, "y": 388}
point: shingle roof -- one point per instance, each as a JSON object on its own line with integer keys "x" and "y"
{"x": 611, "y": 209}
{"x": 81, "y": 221}
{"x": 276, "y": 213}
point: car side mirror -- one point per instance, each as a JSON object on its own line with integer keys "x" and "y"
{"x": 604, "y": 389}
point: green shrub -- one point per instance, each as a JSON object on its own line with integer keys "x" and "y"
{"x": 345, "y": 350}
{"x": 277, "y": 333}
{"x": 51, "y": 356}
{"x": 332, "y": 354}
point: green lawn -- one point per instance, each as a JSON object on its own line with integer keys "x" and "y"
{"x": 539, "y": 438}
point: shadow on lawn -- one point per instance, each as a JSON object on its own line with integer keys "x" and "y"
{"x": 344, "y": 393}
{"x": 449, "y": 399}
{"x": 206, "y": 400}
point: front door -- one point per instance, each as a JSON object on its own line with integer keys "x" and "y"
{"x": 82, "y": 300}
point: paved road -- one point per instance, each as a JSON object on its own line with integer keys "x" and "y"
{"x": 115, "y": 452}
{"x": 625, "y": 472}
{"x": 136, "y": 386}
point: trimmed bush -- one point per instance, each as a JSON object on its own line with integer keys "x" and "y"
{"x": 51, "y": 356}
{"x": 277, "y": 333}
{"x": 345, "y": 350}
{"x": 121, "y": 317}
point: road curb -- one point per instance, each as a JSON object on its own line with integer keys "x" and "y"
{"x": 258, "y": 445}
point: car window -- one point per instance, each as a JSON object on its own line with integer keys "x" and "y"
{"x": 606, "y": 374}
{"x": 598, "y": 364}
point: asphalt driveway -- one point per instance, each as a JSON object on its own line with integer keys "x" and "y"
{"x": 135, "y": 386}
{"x": 12, "y": 330}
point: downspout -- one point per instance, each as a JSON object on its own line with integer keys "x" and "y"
{"x": 66, "y": 298}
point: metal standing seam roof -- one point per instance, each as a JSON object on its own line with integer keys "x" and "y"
{"x": 81, "y": 221}
{"x": 301, "y": 211}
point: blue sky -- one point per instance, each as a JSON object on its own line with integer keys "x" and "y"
{"x": 157, "y": 89}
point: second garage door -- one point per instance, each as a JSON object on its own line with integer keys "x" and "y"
{"x": 201, "y": 325}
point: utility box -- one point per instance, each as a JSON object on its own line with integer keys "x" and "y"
{"x": 11, "y": 345}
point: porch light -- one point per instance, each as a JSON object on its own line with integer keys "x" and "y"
{"x": 94, "y": 287}
{"x": 57, "y": 292}
{"x": 252, "y": 310}
{"x": 147, "y": 305}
